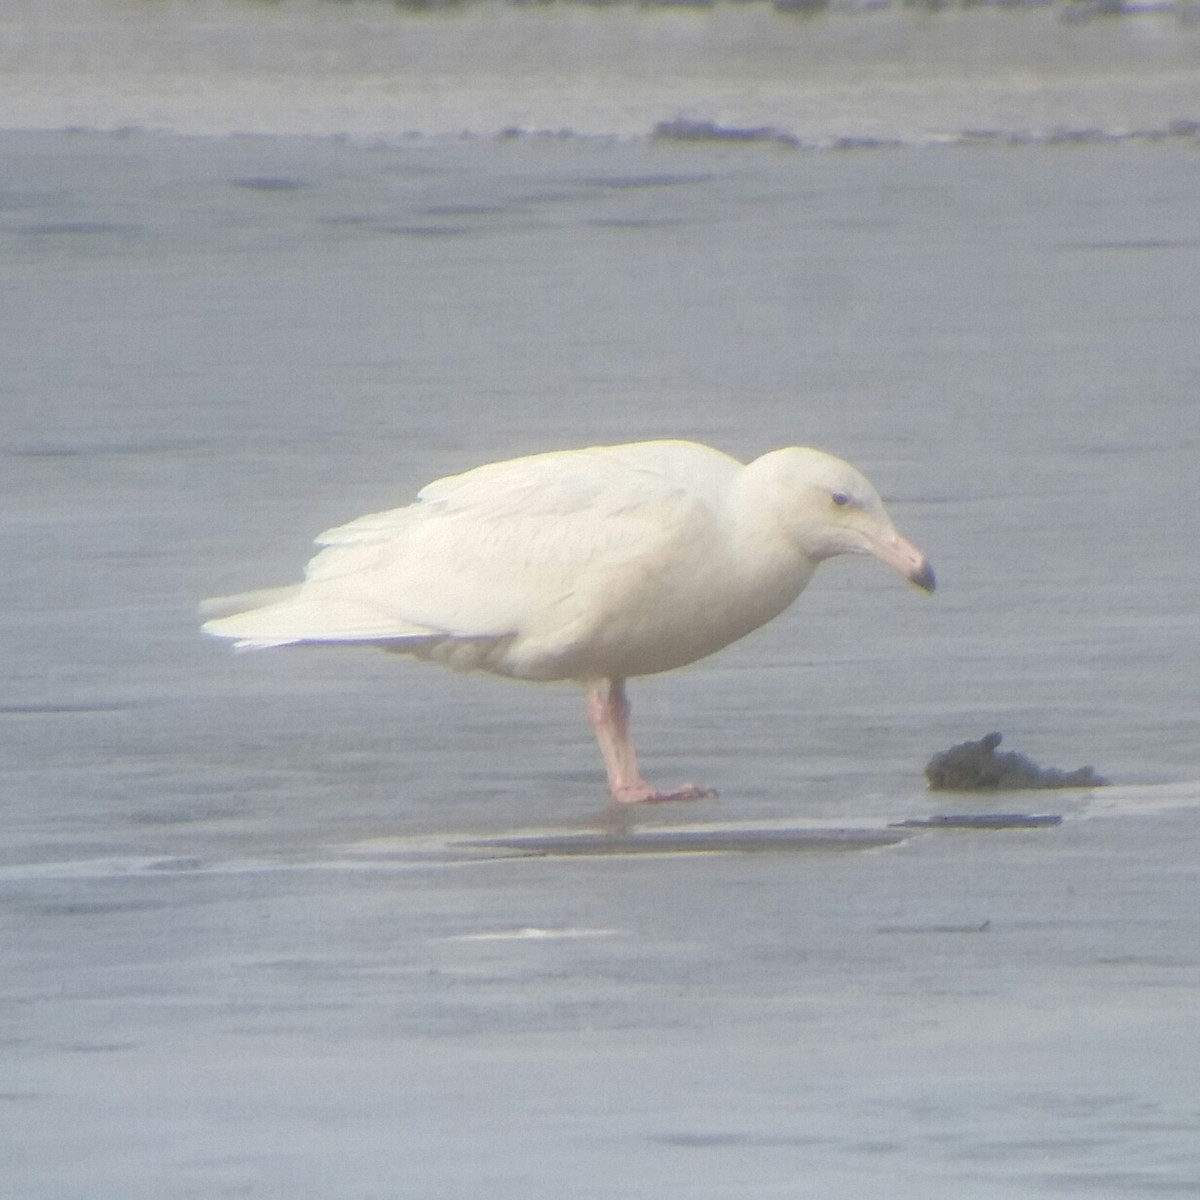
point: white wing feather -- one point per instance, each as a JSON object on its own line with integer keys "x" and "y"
{"x": 511, "y": 548}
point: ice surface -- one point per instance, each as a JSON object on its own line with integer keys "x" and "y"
{"x": 238, "y": 956}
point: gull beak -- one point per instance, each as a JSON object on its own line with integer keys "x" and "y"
{"x": 898, "y": 552}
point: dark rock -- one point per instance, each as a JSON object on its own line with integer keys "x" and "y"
{"x": 976, "y": 767}
{"x": 685, "y": 129}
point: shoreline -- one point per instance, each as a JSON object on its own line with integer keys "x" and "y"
{"x": 897, "y": 75}
{"x": 1008, "y": 111}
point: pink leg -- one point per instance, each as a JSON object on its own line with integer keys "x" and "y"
{"x": 608, "y": 713}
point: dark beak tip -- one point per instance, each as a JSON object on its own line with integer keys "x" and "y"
{"x": 924, "y": 578}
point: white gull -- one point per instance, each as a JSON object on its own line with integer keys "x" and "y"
{"x": 591, "y": 565}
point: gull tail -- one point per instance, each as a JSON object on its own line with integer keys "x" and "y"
{"x": 289, "y": 615}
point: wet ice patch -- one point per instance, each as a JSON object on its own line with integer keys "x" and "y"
{"x": 533, "y": 933}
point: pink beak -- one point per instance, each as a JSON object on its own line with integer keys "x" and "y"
{"x": 900, "y": 553}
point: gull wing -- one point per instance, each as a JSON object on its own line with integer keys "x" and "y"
{"x": 529, "y": 543}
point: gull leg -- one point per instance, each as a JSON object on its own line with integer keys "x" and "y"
{"x": 608, "y": 712}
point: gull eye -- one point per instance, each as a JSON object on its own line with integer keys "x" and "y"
{"x": 840, "y": 499}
